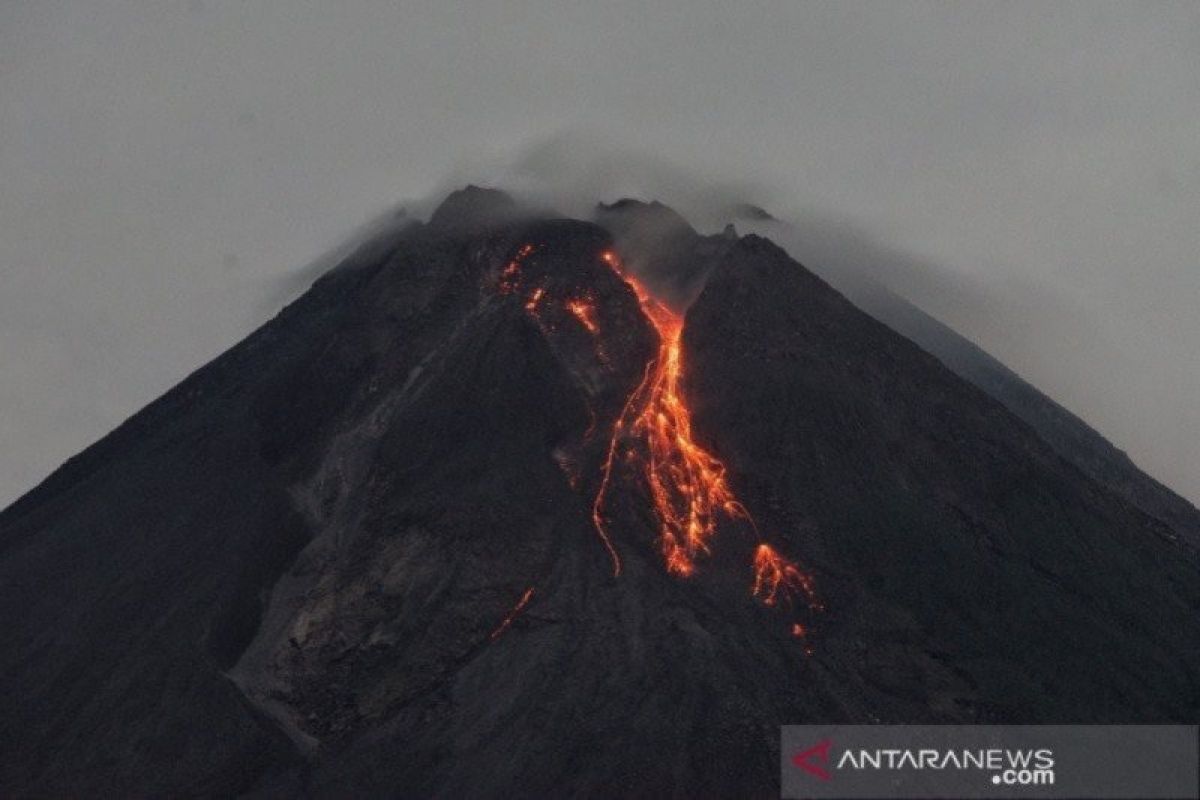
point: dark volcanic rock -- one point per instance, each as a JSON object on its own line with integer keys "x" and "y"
{"x": 660, "y": 246}
{"x": 355, "y": 554}
{"x": 954, "y": 533}
{"x": 473, "y": 209}
{"x": 1070, "y": 436}
{"x": 857, "y": 266}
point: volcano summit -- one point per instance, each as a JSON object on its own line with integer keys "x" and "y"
{"x": 510, "y": 505}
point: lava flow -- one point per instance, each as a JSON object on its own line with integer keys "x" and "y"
{"x": 687, "y": 483}
{"x": 585, "y": 312}
{"x": 511, "y": 275}
{"x": 653, "y": 434}
{"x": 512, "y": 615}
{"x": 774, "y": 574}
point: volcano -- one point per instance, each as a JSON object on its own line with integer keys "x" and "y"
{"x": 512, "y": 505}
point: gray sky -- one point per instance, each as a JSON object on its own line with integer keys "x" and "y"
{"x": 166, "y": 167}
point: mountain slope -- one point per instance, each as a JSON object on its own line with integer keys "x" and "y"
{"x": 1071, "y": 437}
{"x": 406, "y": 539}
{"x": 851, "y": 261}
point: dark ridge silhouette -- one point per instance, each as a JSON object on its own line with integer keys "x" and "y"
{"x": 356, "y": 555}
{"x": 850, "y": 260}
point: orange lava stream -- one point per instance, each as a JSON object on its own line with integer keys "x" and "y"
{"x": 653, "y": 433}
{"x": 512, "y": 615}
{"x": 774, "y": 574}
{"x": 606, "y": 474}
{"x": 687, "y": 483}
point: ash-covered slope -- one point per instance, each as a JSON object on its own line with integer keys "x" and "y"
{"x": 362, "y": 552}
{"x": 1070, "y": 436}
{"x": 854, "y": 264}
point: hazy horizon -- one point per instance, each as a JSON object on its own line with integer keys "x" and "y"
{"x": 170, "y": 170}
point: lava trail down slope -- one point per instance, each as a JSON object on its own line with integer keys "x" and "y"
{"x": 515, "y": 505}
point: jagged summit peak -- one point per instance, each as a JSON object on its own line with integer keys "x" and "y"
{"x": 473, "y": 206}
{"x": 752, "y": 212}
{"x": 641, "y": 218}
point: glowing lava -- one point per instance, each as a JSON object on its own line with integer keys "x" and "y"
{"x": 687, "y": 484}
{"x": 584, "y": 311}
{"x": 653, "y": 436}
{"x": 532, "y": 303}
{"x": 511, "y": 275}
{"x": 775, "y": 575}
{"x": 512, "y": 615}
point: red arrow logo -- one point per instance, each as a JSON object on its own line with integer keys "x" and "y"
{"x": 819, "y": 753}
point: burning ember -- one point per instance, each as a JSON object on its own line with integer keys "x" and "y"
{"x": 584, "y": 311}
{"x": 532, "y": 303}
{"x": 511, "y": 276}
